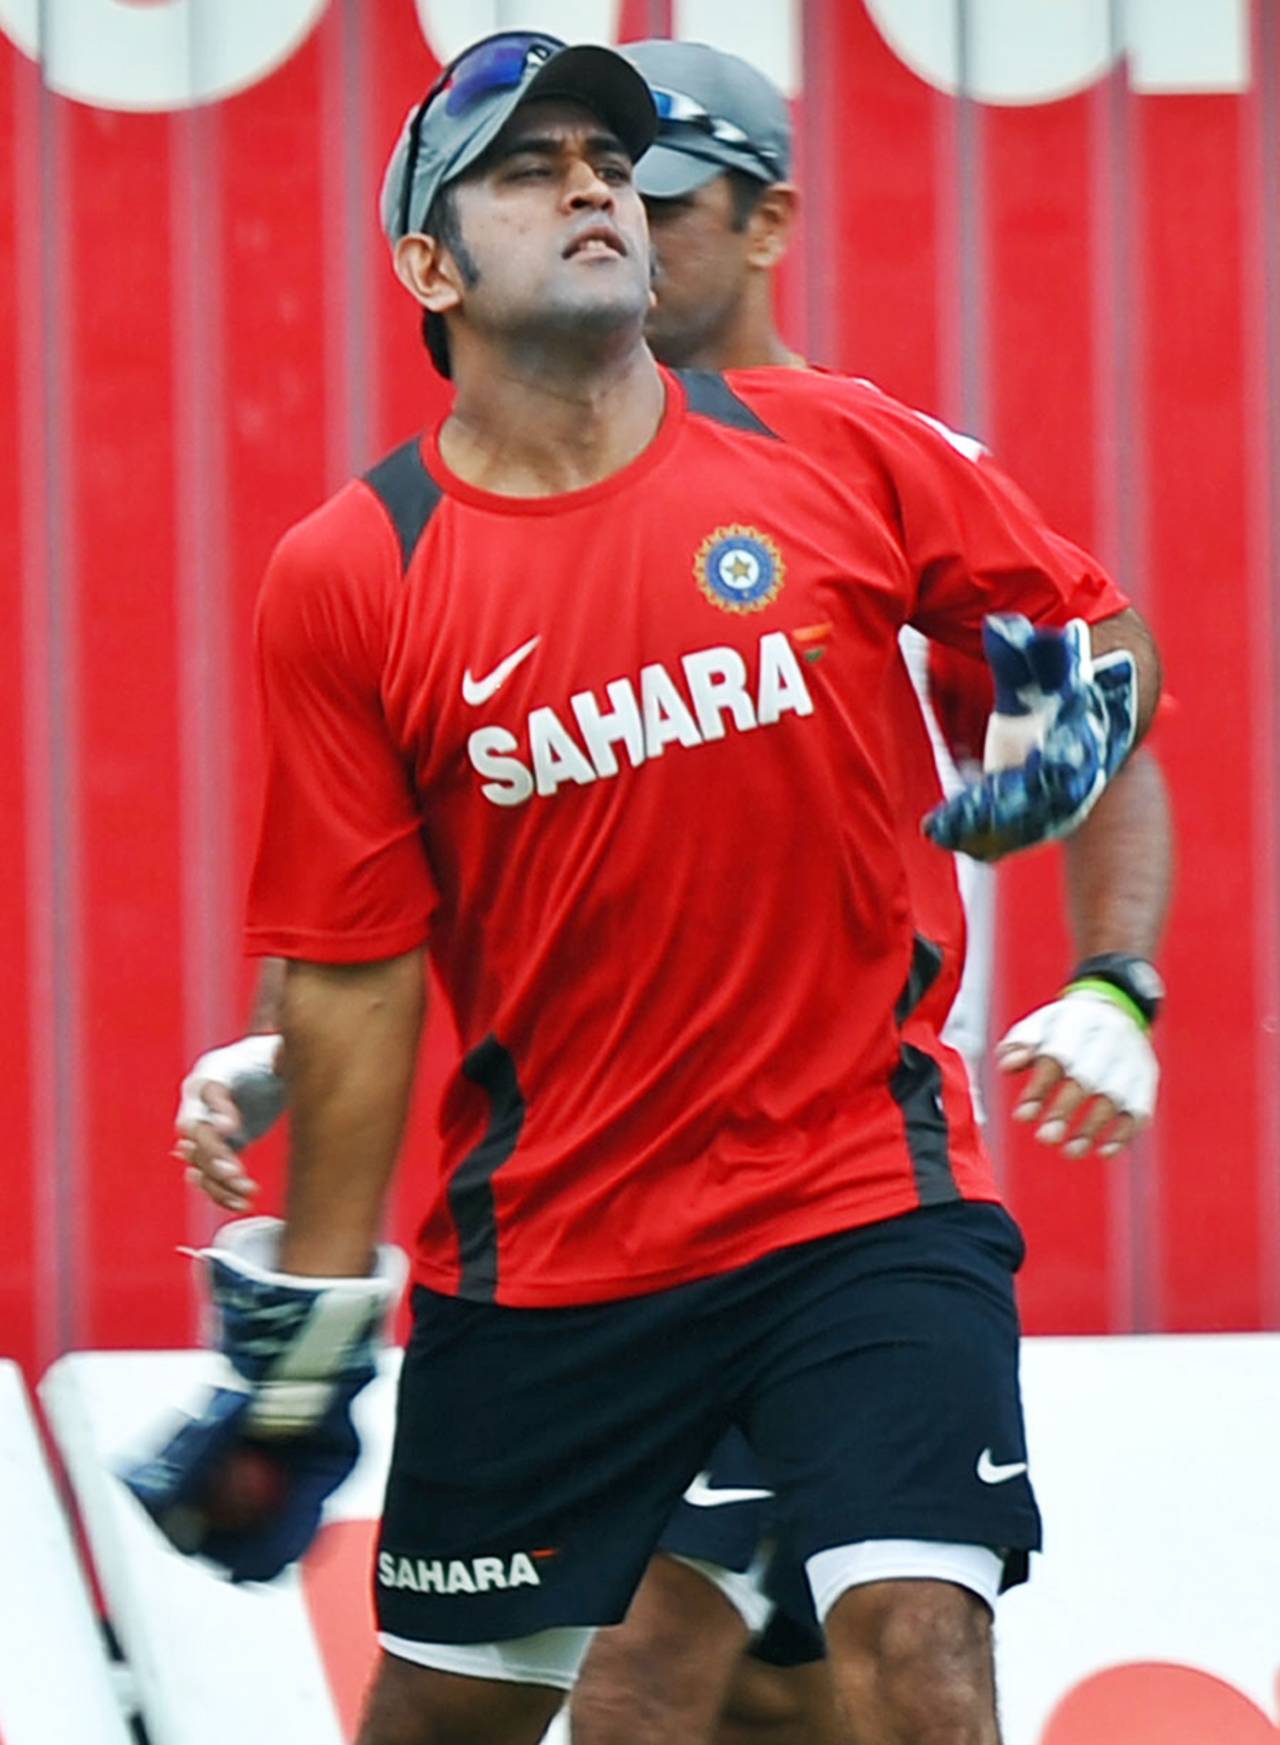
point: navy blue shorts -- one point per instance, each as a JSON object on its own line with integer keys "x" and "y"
{"x": 540, "y": 1453}
{"x": 728, "y": 1516}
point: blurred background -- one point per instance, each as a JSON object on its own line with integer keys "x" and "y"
{"x": 1056, "y": 226}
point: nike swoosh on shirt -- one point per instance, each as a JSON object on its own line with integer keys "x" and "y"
{"x": 990, "y": 1473}
{"x": 701, "y": 1494}
{"x": 477, "y": 691}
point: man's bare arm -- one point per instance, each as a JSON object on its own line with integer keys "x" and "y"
{"x": 351, "y": 1035}
{"x": 1119, "y": 868}
{"x": 211, "y": 1131}
{"x": 268, "y": 999}
{"x": 1128, "y": 630}
{"x": 1119, "y": 865}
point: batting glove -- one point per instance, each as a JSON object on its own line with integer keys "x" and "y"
{"x": 1098, "y": 1040}
{"x": 1063, "y": 724}
{"x": 247, "y": 1069}
{"x": 243, "y": 1481}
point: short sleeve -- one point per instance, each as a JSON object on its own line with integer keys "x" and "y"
{"x": 341, "y": 874}
{"x": 977, "y": 544}
{"x": 974, "y": 543}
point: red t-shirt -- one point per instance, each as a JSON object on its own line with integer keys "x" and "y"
{"x": 698, "y": 1022}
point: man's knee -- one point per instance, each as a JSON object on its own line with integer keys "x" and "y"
{"x": 920, "y": 1651}
{"x": 662, "y": 1673}
{"x": 678, "y": 1614}
{"x": 779, "y": 1705}
{"x": 418, "y": 1705}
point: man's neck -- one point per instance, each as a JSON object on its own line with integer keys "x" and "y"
{"x": 522, "y": 432}
{"x": 753, "y": 351}
{"x": 750, "y": 341}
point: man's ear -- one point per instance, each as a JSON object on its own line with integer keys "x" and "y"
{"x": 771, "y": 224}
{"x": 429, "y": 273}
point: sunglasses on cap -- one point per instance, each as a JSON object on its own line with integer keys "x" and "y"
{"x": 676, "y": 107}
{"x": 500, "y": 63}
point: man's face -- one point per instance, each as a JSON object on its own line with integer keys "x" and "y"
{"x": 702, "y": 269}
{"x": 555, "y": 229}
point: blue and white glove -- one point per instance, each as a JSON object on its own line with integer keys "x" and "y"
{"x": 1063, "y": 724}
{"x": 242, "y": 1482}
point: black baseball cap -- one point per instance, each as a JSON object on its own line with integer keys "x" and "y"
{"x": 716, "y": 112}
{"x": 476, "y": 95}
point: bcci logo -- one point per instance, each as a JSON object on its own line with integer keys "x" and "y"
{"x": 739, "y": 569}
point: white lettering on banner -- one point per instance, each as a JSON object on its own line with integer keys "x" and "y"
{"x": 173, "y": 54}
{"x": 765, "y": 32}
{"x": 170, "y": 54}
{"x": 1019, "y": 53}
{"x": 717, "y": 683}
{"x": 768, "y": 33}
{"x": 449, "y": 25}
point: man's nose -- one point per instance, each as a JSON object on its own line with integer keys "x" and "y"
{"x": 585, "y": 187}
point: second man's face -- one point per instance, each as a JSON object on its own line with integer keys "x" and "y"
{"x": 701, "y": 270}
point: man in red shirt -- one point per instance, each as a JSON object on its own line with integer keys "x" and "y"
{"x": 720, "y": 209}
{"x": 702, "y": 1070}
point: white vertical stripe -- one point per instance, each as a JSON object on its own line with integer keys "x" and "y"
{"x": 200, "y": 582}
{"x": 50, "y": 594}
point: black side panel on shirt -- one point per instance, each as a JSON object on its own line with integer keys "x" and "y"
{"x": 926, "y": 962}
{"x": 917, "y": 1088}
{"x": 710, "y": 396}
{"x": 471, "y": 1188}
{"x": 407, "y": 492}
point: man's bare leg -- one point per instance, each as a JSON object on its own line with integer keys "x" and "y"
{"x": 661, "y": 1676}
{"x": 416, "y": 1705}
{"x": 913, "y": 1665}
{"x": 780, "y": 1705}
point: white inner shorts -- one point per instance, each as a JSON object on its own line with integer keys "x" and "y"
{"x": 555, "y": 1657}
{"x": 743, "y": 1588}
{"x": 550, "y": 1657}
{"x": 832, "y": 1573}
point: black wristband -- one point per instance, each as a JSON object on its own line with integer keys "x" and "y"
{"x": 1134, "y": 976}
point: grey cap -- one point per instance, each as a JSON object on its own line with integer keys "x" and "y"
{"x": 727, "y": 89}
{"x": 451, "y": 136}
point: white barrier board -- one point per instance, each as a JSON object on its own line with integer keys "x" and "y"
{"x": 54, "y": 1681}
{"x": 260, "y": 1664}
{"x": 1153, "y": 1618}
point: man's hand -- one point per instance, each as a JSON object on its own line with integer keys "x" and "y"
{"x": 1063, "y": 724}
{"x": 242, "y": 1482}
{"x": 1093, "y": 1072}
{"x": 231, "y": 1096}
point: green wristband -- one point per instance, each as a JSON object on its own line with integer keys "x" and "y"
{"x": 1109, "y": 991}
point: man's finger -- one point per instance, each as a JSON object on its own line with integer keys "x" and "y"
{"x": 221, "y": 1104}
{"x": 1060, "y": 1110}
{"x": 216, "y": 1163}
{"x": 1122, "y": 1133}
{"x": 1098, "y": 1115}
{"x": 1014, "y": 1056}
{"x": 221, "y": 1196}
{"x": 208, "y": 1144}
{"x": 1045, "y": 1075}
{"x": 216, "y": 1111}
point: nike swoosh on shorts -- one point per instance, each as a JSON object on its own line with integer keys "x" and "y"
{"x": 477, "y": 691}
{"x": 701, "y": 1494}
{"x": 991, "y": 1473}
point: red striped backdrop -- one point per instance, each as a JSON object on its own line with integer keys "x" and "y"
{"x": 200, "y": 337}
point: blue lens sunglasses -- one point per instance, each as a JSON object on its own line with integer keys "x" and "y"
{"x": 500, "y": 63}
{"x": 675, "y": 108}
